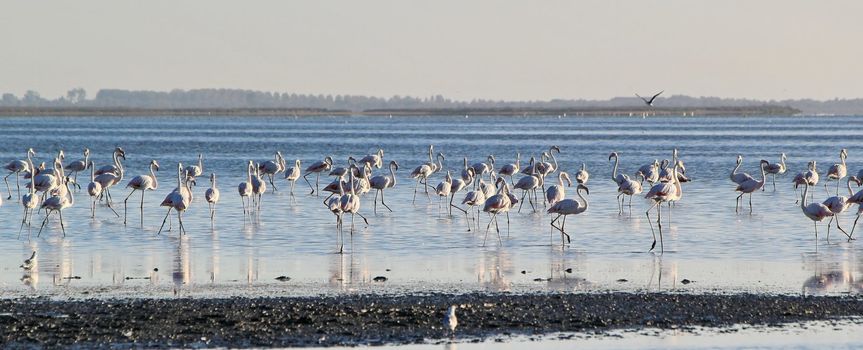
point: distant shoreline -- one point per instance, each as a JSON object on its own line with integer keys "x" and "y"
{"x": 598, "y": 111}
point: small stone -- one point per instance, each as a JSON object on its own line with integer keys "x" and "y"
{"x": 380, "y": 279}
{"x": 155, "y": 269}
{"x": 569, "y": 270}
{"x": 686, "y": 281}
{"x": 523, "y": 272}
{"x": 283, "y": 278}
{"x": 622, "y": 280}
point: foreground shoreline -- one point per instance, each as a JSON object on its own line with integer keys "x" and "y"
{"x": 371, "y": 319}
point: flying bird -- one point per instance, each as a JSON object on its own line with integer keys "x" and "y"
{"x": 650, "y": 101}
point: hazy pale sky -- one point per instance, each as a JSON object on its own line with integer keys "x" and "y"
{"x": 498, "y": 49}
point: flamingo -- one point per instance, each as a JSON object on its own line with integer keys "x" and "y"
{"x": 546, "y": 168}
{"x": 496, "y": 204}
{"x": 361, "y": 183}
{"x": 317, "y": 168}
{"x": 245, "y": 189}
{"x": 777, "y": 169}
{"x": 422, "y": 172}
{"x": 556, "y": 193}
{"x": 838, "y": 204}
{"x": 582, "y": 175}
{"x": 837, "y": 171}
{"x": 809, "y": 176}
{"x": 259, "y": 187}
{"x": 29, "y": 201}
{"x": 17, "y": 167}
{"x": 350, "y": 203}
{"x": 376, "y": 160}
{"x": 663, "y": 192}
{"x": 529, "y": 183}
{"x": 814, "y": 211}
{"x": 383, "y": 182}
{"x": 193, "y": 171}
{"x": 212, "y": 196}
{"x": 617, "y": 178}
{"x": 78, "y": 166}
{"x": 665, "y": 174}
{"x": 649, "y": 172}
{"x": 292, "y": 174}
{"x": 566, "y": 207}
{"x": 482, "y": 168}
{"x": 627, "y": 187}
{"x": 141, "y": 183}
{"x": 736, "y": 177}
{"x": 511, "y": 169}
{"x": 110, "y": 178}
{"x": 334, "y": 204}
{"x": 475, "y": 198}
{"x": 94, "y": 189}
{"x": 443, "y": 189}
{"x": 46, "y": 181}
{"x": 273, "y": 167}
{"x": 113, "y": 168}
{"x": 649, "y": 102}
{"x": 56, "y": 203}
{"x": 179, "y": 199}
{"x": 749, "y": 186}
{"x": 456, "y": 185}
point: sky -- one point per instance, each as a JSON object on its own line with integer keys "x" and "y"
{"x": 502, "y": 49}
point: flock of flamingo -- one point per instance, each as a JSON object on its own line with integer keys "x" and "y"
{"x": 486, "y": 187}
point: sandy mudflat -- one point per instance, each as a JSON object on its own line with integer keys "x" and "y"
{"x": 379, "y": 319}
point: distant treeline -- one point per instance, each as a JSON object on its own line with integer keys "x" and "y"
{"x": 253, "y": 100}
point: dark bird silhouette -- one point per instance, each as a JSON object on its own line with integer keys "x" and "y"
{"x": 650, "y": 101}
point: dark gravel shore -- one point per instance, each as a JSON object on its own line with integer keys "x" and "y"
{"x": 380, "y": 319}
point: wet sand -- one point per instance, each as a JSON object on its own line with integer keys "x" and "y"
{"x": 375, "y": 319}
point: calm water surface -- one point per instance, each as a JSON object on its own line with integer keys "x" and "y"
{"x": 416, "y": 247}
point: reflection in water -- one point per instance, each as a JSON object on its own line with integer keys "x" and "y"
{"x": 833, "y": 276}
{"x": 492, "y": 268}
{"x": 181, "y": 275}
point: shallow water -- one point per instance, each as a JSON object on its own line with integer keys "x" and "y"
{"x": 418, "y": 247}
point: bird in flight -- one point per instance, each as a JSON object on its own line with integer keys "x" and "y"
{"x": 650, "y": 101}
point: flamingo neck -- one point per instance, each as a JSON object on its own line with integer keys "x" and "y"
{"x": 393, "y": 173}
{"x": 153, "y": 175}
{"x": 614, "y": 170}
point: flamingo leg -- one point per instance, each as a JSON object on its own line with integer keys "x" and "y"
{"x": 650, "y": 222}
{"x": 840, "y": 228}
{"x": 750, "y": 203}
{"x": 364, "y": 219}
{"x": 659, "y": 224}
{"x": 490, "y": 221}
{"x": 521, "y": 202}
{"x": 455, "y": 206}
{"x": 166, "y": 219}
{"x": 180, "y": 219}
{"x": 737, "y": 202}
{"x": 305, "y": 177}
{"x": 23, "y": 220}
{"x": 619, "y": 204}
{"x": 375, "y": 211}
{"x": 43, "y": 224}
{"x": 828, "y": 228}
{"x": 563, "y": 232}
{"x": 62, "y": 226}
{"x": 5, "y": 179}
{"x": 384, "y": 203}
{"x": 415, "y": 190}
{"x": 853, "y": 227}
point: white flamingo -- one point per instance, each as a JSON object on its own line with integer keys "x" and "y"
{"x": 17, "y": 167}
{"x": 94, "y": 189}
{"x": 814, "y": 211}
{"x": 317, "y": 168}
{"x": 456, "y": 186}
{"x": 511, "y": 169}
{"x": 750, "y": 186}
{"x": 350, "y": 203}
{"x": 496, "y": 204}
{"x": 179, "y": 200}
{"x": 837, "y": 171}
{"x": 141, "y": 183}
{"x": 628, "y": 187}
{"x": 483, "y": 168}
{"x": 259, "y": 187}
{"x": 777, "y": 169}
{"x": 810, "y": 176}
{"x": 443, "y": 189}
{"x": 422, "y": 172}
{"x": 78, "y": 166}
{"x": 649, "y": 172}
{"x": 272, "y": 167}
{"x": 663, "y": 192}
{"x": 29, "y": 201}
{"x": 193, "y": 171}
{"x": 376, "y": 160}
{"x": 245, "y": 189}
{"x": 529, "y": 184}
{"x": 566, "y": 207}
{"x": 292, "y": 174}
{"x": 61, "y": 199}
{"x": 475, "y": 198}
{"x": 557, "y": 192}
{"x": 115, "y": 167}
{"x": 617, "y": 178}
{"x": 838, "y": 204}
{"x": 383, "y": 182}
{"x": 736, "y": 177}
{"x": 582, "y": 175}
{"x": 342, "y": 171}
{"x": 212, "y": 196}
{"x": 856, "y": 198}
{"x": 110, "y": 178}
